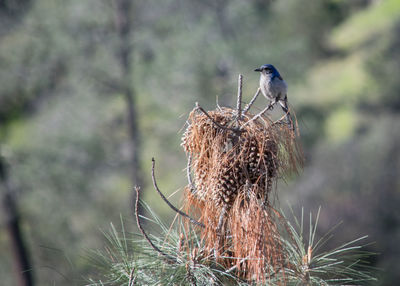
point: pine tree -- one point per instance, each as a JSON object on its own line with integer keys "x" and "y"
{"x": 230, "y": 233}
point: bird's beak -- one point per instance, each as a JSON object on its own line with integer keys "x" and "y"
{"x": 258, "y": 70}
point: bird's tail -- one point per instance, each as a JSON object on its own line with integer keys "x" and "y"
{"x": 285, "y": 108}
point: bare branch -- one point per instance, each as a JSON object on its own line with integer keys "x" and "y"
{"x": 166, "y": 200}
{"x": 221, "y": 219}
{"x": 168, "y": 257}
{"x": 188, "y": 173}
{"x": 236, "y": 130}
{"x": 270, "y": 106}
{"x": 280, "y": 119}
{"x": 217, "y": 103}
{"x": 132, "y": 279}
{"x": 181, "y": 243}
{"x": 239, "y": 98}
{"x": 248, "y": 106}
{"x": 268, "y": 186}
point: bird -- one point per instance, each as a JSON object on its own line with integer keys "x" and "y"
{"x": 274, "y": 88}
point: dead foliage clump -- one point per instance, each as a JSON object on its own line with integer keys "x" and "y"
{"x": 235, "y": 161}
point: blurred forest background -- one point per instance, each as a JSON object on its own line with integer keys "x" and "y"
{"x": 91, "y": 90}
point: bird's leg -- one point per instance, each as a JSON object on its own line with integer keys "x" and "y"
{"x": 272, "y": 103}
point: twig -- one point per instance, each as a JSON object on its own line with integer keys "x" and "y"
{"x": 191, "y": 279}
{"x": 235, "y": 266}
{"x": 260, "y": 114}
{"x": 181, "y": 242}
{"x": 166, "y": 200}
{"x": 268, "y": 187}
{"x": 188, "y": 173}
{"x": 221, "y": 219}
{"x": 131, "y": 277}
{"x": 168, "y": 257}
{"x": 236, "y": 130}
{"x": 280, "y": 119}
{"x": 290, "y": 123}
{"x": 217, "y": 103}
{"x": 251, "y": 101}
{"x": 239, "y": 98}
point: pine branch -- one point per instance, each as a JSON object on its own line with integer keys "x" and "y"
{"x": 132, "y": 279}
{"x": 166, "y": 200}
{"x": 255, "y": 117}
{"x": 168, "y": 257}
{"x": 248, "y": 106}
{"x": 239, "y": 98}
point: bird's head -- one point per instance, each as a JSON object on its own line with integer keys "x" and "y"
{"x": 269, "y": 70}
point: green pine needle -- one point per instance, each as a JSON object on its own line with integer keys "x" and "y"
{"x": 128, "y": 258}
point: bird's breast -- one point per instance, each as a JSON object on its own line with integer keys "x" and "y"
{"x": 273, "y": 88}
{"x": 266, "y": 88}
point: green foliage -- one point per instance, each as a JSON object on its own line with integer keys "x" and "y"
{"x": 360, "y": 174}
{"x": 64, "y": 126}
{"x": 128, "y": 257}
{"x": 358, "y": 77}
{"x": 366, "y": 25}
{"x": 340, "y": 125}
{"x": 315, "y": 265}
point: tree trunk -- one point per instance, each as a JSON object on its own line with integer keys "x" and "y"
{"x": 123, "y": 23}
{"x": 22, "y": 264}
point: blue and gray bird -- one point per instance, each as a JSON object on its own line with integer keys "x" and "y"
{"x": 274, "y": 88}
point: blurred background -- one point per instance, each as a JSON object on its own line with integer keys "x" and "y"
{"x": 91, "y": 90}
